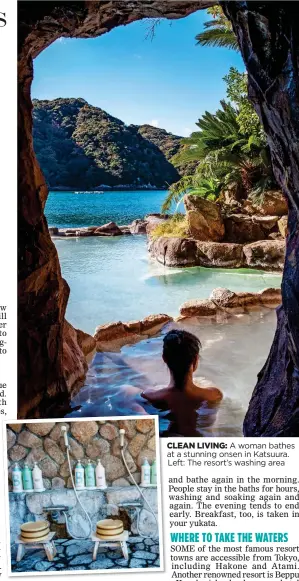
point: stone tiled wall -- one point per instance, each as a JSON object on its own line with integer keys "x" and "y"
{"x": 42, "y": 442}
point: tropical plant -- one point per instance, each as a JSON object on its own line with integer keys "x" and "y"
{"x": 218, "y": 31}
{"x": 228, "y": 155}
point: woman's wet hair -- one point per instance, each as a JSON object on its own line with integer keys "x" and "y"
{"x": 180, "y": 350}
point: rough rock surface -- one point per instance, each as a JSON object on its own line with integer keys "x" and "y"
{"x": 174, "y": 251}
{"x": 266, "y": 254}
{"x": 273, "y": 203}
{"x": 74, "y": 362}
{"x": 224, "y": 300}
{"x": 112, "y": 336}
{"x": 110, "y": 229}
{"x": 204, "y": 219}
{"x": 242, "y": 229}
{"x": 86, "y": 342}
{"x": 283, "y": 226}
{"x": 198, "y": 308}
{"x": 220, "y": 254}
{"x": 138, "y": 226}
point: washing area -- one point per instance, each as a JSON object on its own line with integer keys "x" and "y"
{"x": 83, "y": 495}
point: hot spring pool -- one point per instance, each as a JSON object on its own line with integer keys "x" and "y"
{"x": 232, "y": 355}
{"x": 114, "y": 279}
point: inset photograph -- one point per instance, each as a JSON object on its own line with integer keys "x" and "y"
{"x": 83, "y": 495}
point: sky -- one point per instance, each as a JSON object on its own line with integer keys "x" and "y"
{"x": 167, "y": 81}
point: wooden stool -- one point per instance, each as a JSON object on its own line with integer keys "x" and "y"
{"x": 114, "y": 542}
{"x": 47, "y": 544}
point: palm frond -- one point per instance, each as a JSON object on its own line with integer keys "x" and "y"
{"x": 218, "y": 36}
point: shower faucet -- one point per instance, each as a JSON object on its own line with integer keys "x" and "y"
{"x": 122, "y": 437}
{"x": 64, "y": 433}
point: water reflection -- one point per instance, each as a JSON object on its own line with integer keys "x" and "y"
{"x": 232, "y": 355}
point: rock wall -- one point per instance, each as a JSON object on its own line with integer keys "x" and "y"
{"x": 265, "y": 254}
{"x": 42, "y": 442}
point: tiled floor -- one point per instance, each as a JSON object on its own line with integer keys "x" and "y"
{"x": 77, "y": 555}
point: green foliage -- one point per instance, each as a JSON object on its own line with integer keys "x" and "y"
{"x": 218, "y": 31}
{"x": 79, "y": 146}
{"x": 176, "y": 226}
{"x": 248, "y": 121}
{"x": 230, "y": 149}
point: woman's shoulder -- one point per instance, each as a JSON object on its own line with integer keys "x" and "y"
{"x": 155, "y": 393}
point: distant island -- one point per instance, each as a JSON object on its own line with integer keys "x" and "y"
{"x": 82, "y": 147}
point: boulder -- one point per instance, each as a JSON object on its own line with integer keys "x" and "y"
{"x": 198, "y": 308}
{"x": 110, "y": 229}
{"x": 232, "y": 302}
{"x": 283, "y": 226}
{"x": 242, "y": 228}
{"x": 188, "y": 252}
{"x": 138, "y": 227}
{"x": 174, "y": 251}
{"x": 219, "y": 254}
{"x": 204, "y": 219}
{"x": 126, "y": 230}
{"x": 270, "y": 297}
{"x": 86, "y": 342}
{"x": 272, "y": 203}
{"x": 112, "y": 336}
{"x": 152, "y": 322}
{"x": 74, "y": 362}
{"x": 266, "y": 254}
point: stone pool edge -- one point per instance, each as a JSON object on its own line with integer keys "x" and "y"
{"x": 219, "y": 307}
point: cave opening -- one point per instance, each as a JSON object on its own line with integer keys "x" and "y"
{"x": 51, "y": 361}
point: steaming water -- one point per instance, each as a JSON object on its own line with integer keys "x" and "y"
{"x": 232, "y": 355}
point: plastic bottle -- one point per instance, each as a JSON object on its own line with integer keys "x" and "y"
{"x": 100, "y": 475}
{"x": 79, "y": 476}
{"x": 37, "y": 478}
{"x": 154, "y": 473}
{"x": 17, "y": 478}
{"x": 145, "y": 473}
{"x": 27, "y": 477}
{"x": 90, "y": 479}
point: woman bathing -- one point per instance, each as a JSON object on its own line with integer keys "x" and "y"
{"x": 182, "y": 396}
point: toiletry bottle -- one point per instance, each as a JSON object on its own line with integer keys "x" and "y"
{"x": 145, "y": 473}
{"x": 90, "y": 480}
{"x": 17, "y": 478}
{"x": 37, "y": 478}
{"x": 100, "y": 475}
{"x": 154, "y": 473}
{"x": 27, "y": 477}
{"x": 79, "y": 476}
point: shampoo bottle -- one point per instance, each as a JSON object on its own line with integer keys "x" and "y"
{"x": 90, "y": 480}
{"x": 79, "y": 476}
{"x": 27, "y": 477}
{"x": 100, "y": 475}
{"x": 37, "y": 478}
{"x": 17, "y": 478}
{"x": 145, "y": 473}
{"x": 154, "y": 473}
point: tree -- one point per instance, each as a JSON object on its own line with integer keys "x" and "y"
{"x": 229, "y": 155}
{"x": 218, "y": 31}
